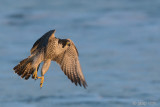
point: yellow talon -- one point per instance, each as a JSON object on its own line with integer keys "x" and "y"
{"x": 35, "y": 75}
{"x": 42, "y": 80}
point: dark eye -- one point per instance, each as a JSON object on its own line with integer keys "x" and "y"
{"x": 69, "y": 44}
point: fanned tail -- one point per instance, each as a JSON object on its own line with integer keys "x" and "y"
{"x": 24, "y": 68}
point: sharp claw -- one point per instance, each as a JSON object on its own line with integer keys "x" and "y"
{"x": 42, "y": 80}
{"x": 35, "y": 75}
{"x": 41, "y": 85}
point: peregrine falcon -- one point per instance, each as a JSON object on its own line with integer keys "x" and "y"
{"x": 49, "y": 48}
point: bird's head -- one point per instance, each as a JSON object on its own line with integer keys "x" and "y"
{"x": 68, "y": 42}
{"x": 64, "y": 43}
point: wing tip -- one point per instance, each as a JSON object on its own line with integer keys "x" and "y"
{"x": 82, "y": 83}
{"x": 85, "y": 84}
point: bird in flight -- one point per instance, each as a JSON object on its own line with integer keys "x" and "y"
{"x": 49, "y": 48}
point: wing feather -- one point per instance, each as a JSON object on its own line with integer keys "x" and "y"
{"x": 69, "y": 62}
{"x": 42, "y": 42}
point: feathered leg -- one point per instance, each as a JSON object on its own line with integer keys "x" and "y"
{"x": 36, "y": 63}
{"x": 45, "y": 68}
{"x": 34, "y": 76}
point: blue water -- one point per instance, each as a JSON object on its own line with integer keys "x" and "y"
{"x": 118, "y": 42}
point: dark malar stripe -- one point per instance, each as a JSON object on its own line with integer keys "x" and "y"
{"x": 63, "y": 42}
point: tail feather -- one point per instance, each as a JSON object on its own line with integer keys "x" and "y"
{"x": 24, "y": 68}
{"x": 24, "y": 74}
{"x": 29, "y": 74}
{"x": 20, "y": 71}
{"x": 20, "y": 64}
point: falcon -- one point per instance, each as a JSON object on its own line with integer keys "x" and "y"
{"x": 49, "y": 48}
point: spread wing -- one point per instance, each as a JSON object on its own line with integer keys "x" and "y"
{"x": 42, "y": 42}
{"x": 70, "y": 65}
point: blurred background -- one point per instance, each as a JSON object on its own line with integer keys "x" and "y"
{"x": 118, "y": 42}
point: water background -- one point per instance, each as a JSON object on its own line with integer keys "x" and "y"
{"x": 118, "y": 43}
